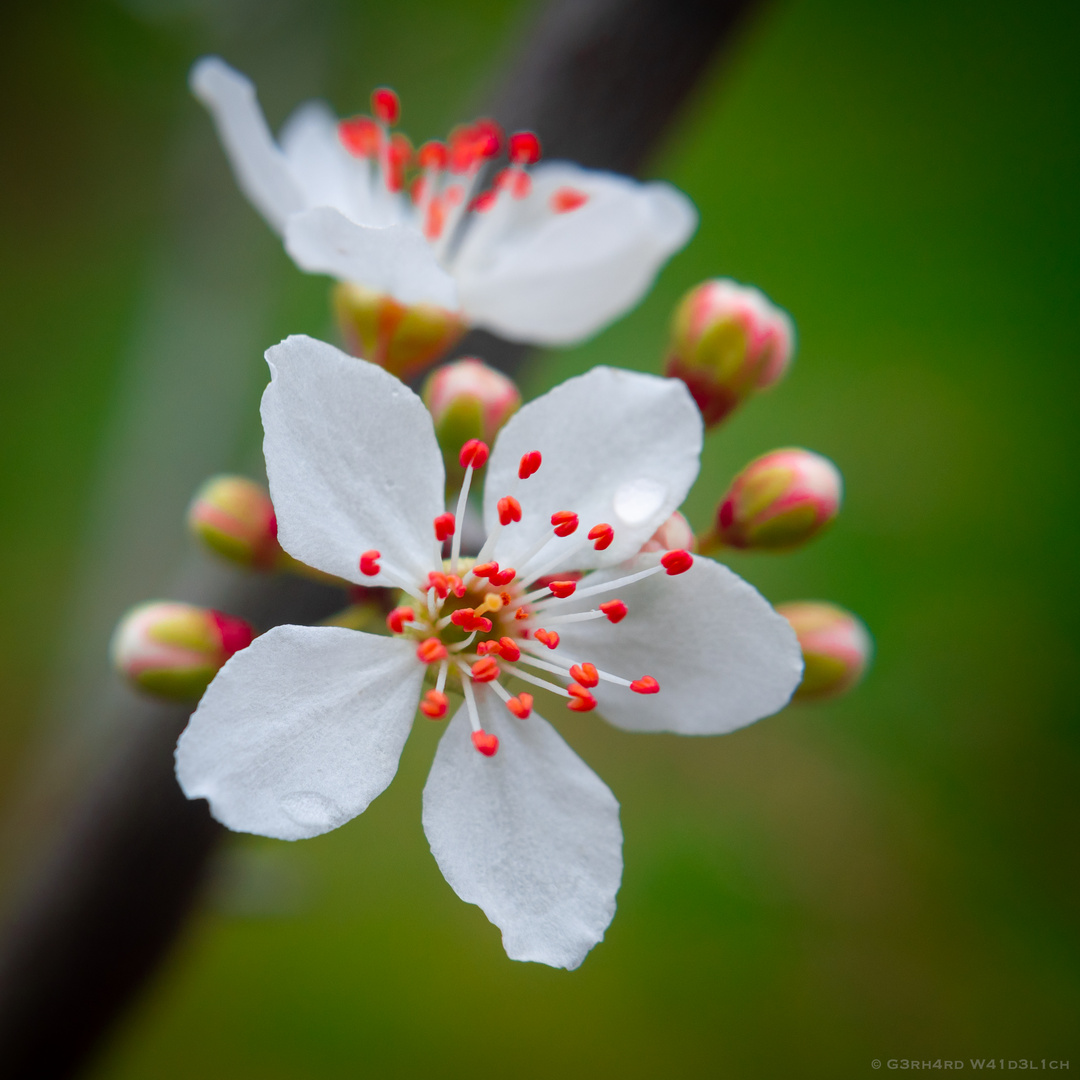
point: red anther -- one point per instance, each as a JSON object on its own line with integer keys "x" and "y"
{"x": 565, "y": 522}
{"x": 550, "y": 638}
{"x": 485, "y": 742}
{"x": 509, "y": 510}
{"x": 503, "y": 577}
{"x": 602, "y": 535}
{"x": 433, "y": 155}
{"x": 521, "y": 705}
{"x": 524, "y": 148}
{"x": 430, "y": 650}
{"x": 520, "y": 184}
{"x": 615, "y": 610}
{"x": 360, "y": 136}
{"x": 530, "y": 462}
{"x": 484, "y": 647}
{"x": 562, "y": 589}
{"x": 434, "y": 705}
{"x": 483, "y": 202}
{"x": 645, "y": 685}
{"x": 484, "y": 670}
{"x": 435, "y": 219}
{"x": 454, "y": 194}
{"x": 469, "y": 621}
{"x": 488, "y": 137}
{"x": 509, "y": 650}
{"x": 386, "y": 105}
{"x": 585, "y": 674}
{"x": 566, "y": 199}
{"x": 398, "y": 161}
{"x": 677, "y": 562}
{"x": 457, "y": 586}
{"x": 397, "y": 618}
{"x": 580, "y": 699}
{"x": 437, "y": 580}
{"x": 522, "y": 613}
{"x": 418, "y": 188}
{"x": 485, "y": 569}
{"x": 474, "y": 453}
{"x": 369, "y": 563}
{"x": 444, "y": 526}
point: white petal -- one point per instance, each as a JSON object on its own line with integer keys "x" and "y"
{"x": 325, "y": 171}
{"x": 352, "y": 461}
{"x": 722, "y": 656}
{"x": 301, "y": 730}
{"x": 395, "y": 259}
{"x": 618, "y": 447}
{"x": 557, "y": 278}
{"x": 261, "y": 169}
{"x": 531, "y": 835}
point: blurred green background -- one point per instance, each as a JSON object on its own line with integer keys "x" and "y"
{"x": 892, "y": 876}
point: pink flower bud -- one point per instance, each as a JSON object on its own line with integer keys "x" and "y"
{"x": 235, "y": 518}
{"x": 836, "y": 647}
{"x": 675, "y": 534}
{"x": 173, "y": 650}
{"x": 727, "y": 342}
{"x": 468, "y": 401}
{"x": 402, "y": 338}
{"x": 780, "y": 500}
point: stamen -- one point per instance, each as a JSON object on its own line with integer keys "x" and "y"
{"x": 440, "y": 682}
{"x": 614, "y": 610}
{"x": 578, "y": 616}
{"x": 524, "y": 676}
{"x": 434, "y": 705}
{"x": 565, "y": 522}
{"x": 485, "y": 670}
{"x": 610, "y": 586}
{"x": 485, "y": 742}
{"x": 677, "y": 562}
{"x": 562, "y": 589}
{"x": 645, "y": 685}
{"x": 386, "y": 105}
{"x": 521, "y": 706}
{"x": 509, "y": 510}
{"x": 433, "y": 155}
{"x": 430, "y": 650}
{"x": 603, "y": 535}
{"x": 524, "y": 148}
{"x": 436, "y": 580}
{"x": 509, "y": 649}
{"x": 461, "y": 646}
{"x": 360, "y": 136}
{"x": 369, "y": 563}
{"x": 473, "y": 455}
{"x": 567, "y": 664}
{"x": 566, "y": 199}
{"x": 457, "y": 586}
{"x": 580, "y": 699}
{"x": 585, "y": 674}
{"x": 550, "y": 638}
{"x": 397, "y": 618}
{"x": 444, "y": 526}
{"x": 530, "y": 462}
{"x": 469, "y": 620}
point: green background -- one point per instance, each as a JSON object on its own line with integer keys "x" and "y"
{"x": 890, "y": 876}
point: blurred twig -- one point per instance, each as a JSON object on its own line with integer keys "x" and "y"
{"x": 600, "y": 80}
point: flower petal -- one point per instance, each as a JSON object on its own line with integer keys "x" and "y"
{"x": 301, "y": 730}
{"x": 395, "y": 259}
{"x": 555, "y": 278}
{"x": 618, "y": 447}
{"x": 352, "y": 461}
{"x": 260, "y": 167}
{"x": 530, "y": 835}
{"x": 722, "y": 656}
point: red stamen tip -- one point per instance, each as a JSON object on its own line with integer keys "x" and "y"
{"x": 369, "y": 563}
{"x": 585, "y": 674}
{"x": 566, "y": 199}
{"x": 430, "y": 651}
{"x": 645, "y": 685}
{"x": 615, "y": 610}
{"x": 602, "y": 536}
{"x": 580, "y": 699}
{"x": 503, "y": 577}
{"x": 434, "y": 705}
{"x": 457, "y": 586}
{"x": 522, "y": 613}
{"x": 524, "y": 148}
{"x": 360, "y": 136}
{"x": 485, "y": 670}
{"x": 433, "y": 155}
{"x": 550, "y": 638}
{"x": 485, "y": 742}
{"x": 508, "y": 649}
{"x": 486, "y": 569}
{"x": 444, "y": 526}
{"x": 474, "y": 453}
{"x": 386, "y": 105}
{"x": 509, "y": 510}
{"x": 530, "y": 462}
{"x": 521, "y": 705}
{"x": 397, "y": 618}
{"x": 483, "y": 202}
{"x": 562, "y": 589}
{"x": 437, "y": 580}
{"x": 565, "y": 522}
{"x": 677, "y": 562}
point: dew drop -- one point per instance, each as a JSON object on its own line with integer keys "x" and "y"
{"x": 312, "y": 810}
{"x": 637, "y": 500}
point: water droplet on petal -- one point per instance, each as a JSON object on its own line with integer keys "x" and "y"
{"x": 637, "y": 500}
{"x": 311, "y": 810}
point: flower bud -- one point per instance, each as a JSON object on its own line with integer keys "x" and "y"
{"x": 673, "y": 535}
{"x": 468, "y": 401}
{"x": 235, "y": 518}
{"x": 780, "y": 500}
{"x": 727, "y": 341}
{"x": 403, "y": 338}
{"x": 836, "y": 647}
{"x": 173, "y": 650}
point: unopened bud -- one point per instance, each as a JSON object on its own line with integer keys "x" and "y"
{"x": 780, "y": 500}
{"x": 173, "y": 650}
{"x": 235, "y": 518}
{"x": 836, "y": 647}
{"x": 468, "y": 400}
{"x": 727, "y": 342}
{"x": 675, "y": 534}
{"x": 403, "y": 338}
